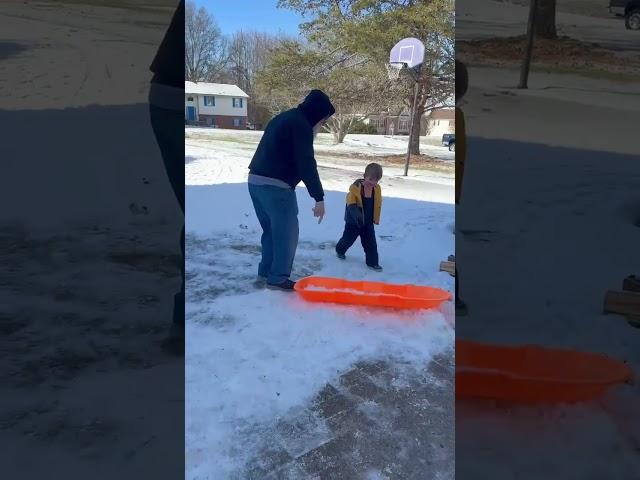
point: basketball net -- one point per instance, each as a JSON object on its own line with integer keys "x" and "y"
{"x": 393, "y": 70}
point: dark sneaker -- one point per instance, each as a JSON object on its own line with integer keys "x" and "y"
{"x": 377, "y": 268}
{"x": 341, "y": 256}
{"x": 461, "y": 308}
{"x": 286, "y": 286}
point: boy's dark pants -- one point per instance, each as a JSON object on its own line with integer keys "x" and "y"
{"x": 367, "y": 236}
{"x": 168, "y": 127}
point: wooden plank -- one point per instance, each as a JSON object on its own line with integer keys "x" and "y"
{"x": 624, "y": 303}
{"x": 449, "y": 267}
{"x": 631, "y": 284}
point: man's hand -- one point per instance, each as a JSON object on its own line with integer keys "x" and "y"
{"x": 318, "y": 211}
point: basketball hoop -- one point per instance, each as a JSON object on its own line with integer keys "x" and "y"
{"x": 407, "y": 52}
{"x": 393, "y": 70}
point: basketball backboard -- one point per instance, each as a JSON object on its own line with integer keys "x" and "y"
{"x": 408, "y": 51}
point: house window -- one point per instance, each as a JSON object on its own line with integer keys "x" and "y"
{"x": 189, "y": 99}
{"x": 404, "y": 124}
{"x": 236, "y": 122}
{"x": 237, "y": 102}
{"x": 209, "y": 101}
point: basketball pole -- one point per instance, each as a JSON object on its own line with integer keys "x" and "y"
{"x": 413, "y": 114}
{"x": 526, "y": 61}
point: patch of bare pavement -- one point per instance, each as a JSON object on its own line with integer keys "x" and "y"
{"x": 367, "y": 425}
{"x": 62, "y": 289}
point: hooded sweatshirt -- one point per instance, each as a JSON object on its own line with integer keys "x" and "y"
{"x": 168, "y": 64}
{"x": 167, "y": 84}
{"x": 285, "y": 151}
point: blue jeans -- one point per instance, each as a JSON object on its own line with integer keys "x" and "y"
{"x": 277, "y": 211}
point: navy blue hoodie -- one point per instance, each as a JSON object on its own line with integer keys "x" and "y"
{"x": 285, "y": 151}
{"x": 168, "y": 64}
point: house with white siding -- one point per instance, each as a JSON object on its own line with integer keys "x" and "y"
{"x": 218, "y": 105}
{"x": 441, "y": 121}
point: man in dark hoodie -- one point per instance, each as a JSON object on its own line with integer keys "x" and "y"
{"x": 166, "y": 105}
{"x": 284, "y": 158}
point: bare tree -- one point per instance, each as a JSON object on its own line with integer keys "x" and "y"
{"x": 249, "y": 53}
{"x": 205, "y": 53}
{"x": 240, "y": 60}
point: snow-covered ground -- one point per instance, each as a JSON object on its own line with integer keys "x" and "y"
{"x": 538, "y": 255}
{"x": 375, "y": 145}
{"x": 88, "y": 247}
{"x": 222, "y": 156}
{"x": 548, "y": 222}
{"x": 257, "y": 358}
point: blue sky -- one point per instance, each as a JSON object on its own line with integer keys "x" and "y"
{"x": 261, "y": 15}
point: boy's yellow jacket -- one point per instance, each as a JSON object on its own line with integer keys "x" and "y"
{"x": 461, "y": 151}
{"x": 355, "y": 210}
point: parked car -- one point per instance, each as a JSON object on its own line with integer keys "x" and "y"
{"x": 250, "y": 126}
{"x": 449, "y": 140}
{"x": 629, "y": 9}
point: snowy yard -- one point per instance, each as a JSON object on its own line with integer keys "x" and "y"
{"x": 548, "y": 222}
{"x": 279, "y": 388}
{"x": 539, "y": 216}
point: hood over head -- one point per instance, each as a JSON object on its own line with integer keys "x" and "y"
{"x": 316, "y": 106}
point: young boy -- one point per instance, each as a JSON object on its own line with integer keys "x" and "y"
{"x": 462, "y": 83}
{"x": 362, "y": 212}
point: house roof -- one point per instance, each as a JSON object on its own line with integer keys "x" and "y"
{"x": 221, "y": 89}
{"x": 443, "y": 114}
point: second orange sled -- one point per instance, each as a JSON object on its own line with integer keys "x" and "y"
{"x": 532, "y": 374}
{"x": 375, "y": 294}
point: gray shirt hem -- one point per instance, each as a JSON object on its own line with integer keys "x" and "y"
{"x": 274, "y": 182}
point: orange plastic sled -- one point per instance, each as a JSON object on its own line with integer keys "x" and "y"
{"x": 531, "y": 374}
{"x": 376, "y": 294}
